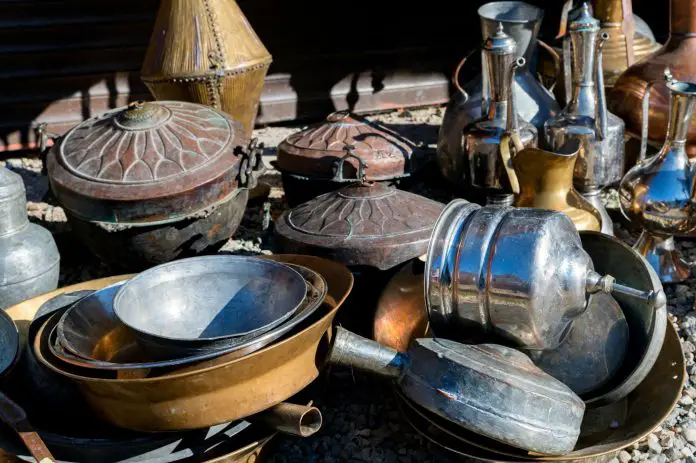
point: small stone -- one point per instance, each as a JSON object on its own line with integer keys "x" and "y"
{"x": 686, "y": 452}
{"x": 667, "y": 439}
{"x": 624, "y": 456}
{"x": 672, "y": 454}
{"x": 613, "y": 460}
{"x": 690, "y": 391}
{"x": 686, "y": 400}
{"x": 654, "y": 444}
{"x": 636, "y": 454}
{"x": 690, "y": 435}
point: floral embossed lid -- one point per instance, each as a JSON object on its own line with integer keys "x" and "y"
{"x": 148, "y": 162}
{"x": 314, "y": 151}
{"x": 366, "y": 223}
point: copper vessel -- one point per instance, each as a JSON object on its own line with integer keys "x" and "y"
{"x": 401, "y": 315}
{"x": 546, "y": 182}
{"x": 657, "y": 193}
{"x": 218, "y": 390}
{"x": 308, "y": 160}
{"x": 154, "y": 181}
{"x": 363, "y": 224}
{"x": 625, "y": 100}
{"x": 205, "y": 51}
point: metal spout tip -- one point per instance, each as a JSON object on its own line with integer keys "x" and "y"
{"x": 499, "y": 28}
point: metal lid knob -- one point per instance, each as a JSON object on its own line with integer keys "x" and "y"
{"x": 142, "y": 115}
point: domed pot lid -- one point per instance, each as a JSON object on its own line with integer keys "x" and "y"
{"x": 365, "y": 224}
{"x": 315, "y": 151}
{"x": 151, "y": 162}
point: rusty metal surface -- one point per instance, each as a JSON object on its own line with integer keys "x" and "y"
{"x": 365, "y": 224}
{"x": 546, "y": 182}
{"x": 314, "y": 152}
{"x": 637, "y": 415}
{"x": 625, "y": 100}
{"x": 134, "y": 248}
{"x": 401, "y": 316}
{"x": 149, "y": 162}
{"x": 218, "y": 390}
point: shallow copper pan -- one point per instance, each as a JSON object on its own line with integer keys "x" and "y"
{"x": 637, "y": 415}
{"x": 219, "y": 390}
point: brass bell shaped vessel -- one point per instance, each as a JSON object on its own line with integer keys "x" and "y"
{"x": 545, "y": 181}
{"x": 658, "y": 192}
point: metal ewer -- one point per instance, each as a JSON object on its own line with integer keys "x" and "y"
{"x": 482, "y": 139}
{"x": 534, "y": 102}
{"x": 30, "y": 260}
{"x": 521, "y": 274}
{"x": 492, "y": 390}
{"x": 658, "y": 193}
{"x": 601, "y": 160}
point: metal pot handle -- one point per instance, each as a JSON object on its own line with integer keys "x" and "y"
{"x": 645, "y": 109}
{"x": 455, "y": 75}
{"x": 252, "y": 166}
{"x": 507, "y": 155}
{"x": 338, "y": 167}
{"x": 556, "y": 64}
{"x": 42, "y": 137}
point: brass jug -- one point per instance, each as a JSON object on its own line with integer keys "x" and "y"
{"x": 546, "y": 182}
{"x": 481, "y": 139}
{"x": 585, "y": 118}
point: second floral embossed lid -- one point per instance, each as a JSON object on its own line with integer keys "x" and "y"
{"x": 148, "y": 162}
{"x": 364, "y": 223}
{"x": 314, "y": 151}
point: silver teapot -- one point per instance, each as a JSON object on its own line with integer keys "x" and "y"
{"x": 518, "y": 274}
{"x": 534, "y": 102}
{"x": 658, "y": 192}
{"x": 586, "y": 118}
{"x": 482, "y": 139}
{"x": 30, "y": 261}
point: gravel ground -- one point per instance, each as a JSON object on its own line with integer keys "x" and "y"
{"x": 361, "y": 421}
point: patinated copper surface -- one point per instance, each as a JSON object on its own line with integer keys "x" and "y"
{"x": 309, "y": 159}
{"x": 625, "y": 100}
{"x": 148, "y": 162}
{"x": 314, "y": 152}
{"x": 365, "y": 224}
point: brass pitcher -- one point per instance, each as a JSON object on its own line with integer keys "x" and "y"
{"x": 546, "y": 182}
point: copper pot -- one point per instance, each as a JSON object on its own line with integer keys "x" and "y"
{"x": 625, "y": 100}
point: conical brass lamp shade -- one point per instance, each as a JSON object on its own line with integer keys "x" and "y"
{"x": 205, "y": 51}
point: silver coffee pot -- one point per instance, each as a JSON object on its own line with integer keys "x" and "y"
{"x": 586, "y": 118}
{"x": 518, "y": 274}
{"x": 535, "y": 104}
{"x": 658, "y": 192}
{"x": 481, "y": 139}
{"x": 30, "y": 262}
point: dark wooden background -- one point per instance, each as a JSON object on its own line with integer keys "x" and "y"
{"x": 62, "y": 61}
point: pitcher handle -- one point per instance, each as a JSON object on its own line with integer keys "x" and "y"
{"x": 645, "y": 110}
{"x": 506, "y": 153}
{"x": 455, "y": 75}
{"x": 556, "y": 63}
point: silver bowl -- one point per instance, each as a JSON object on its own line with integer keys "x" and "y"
{"x": 89, "y": 334}
{"x": 199, "y": 304}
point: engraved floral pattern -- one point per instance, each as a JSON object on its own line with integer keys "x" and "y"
{"x": 359, "y": 216}
{"x": 100, "y": 150}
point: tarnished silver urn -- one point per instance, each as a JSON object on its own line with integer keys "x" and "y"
{"x": 586, "y": 118}
{"x": 29, "y": 259}
{"x": 519, "y": 274}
